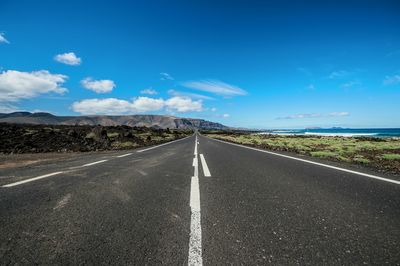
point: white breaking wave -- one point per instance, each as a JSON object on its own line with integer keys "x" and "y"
{"x": 324, "y": 134}
{"x": 281, "y": 132}
{"x": 340, "y": 134}
{"x": 285, "y": 131}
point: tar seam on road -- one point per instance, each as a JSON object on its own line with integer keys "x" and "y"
{"x": 195, "y": 247}
{"x": 206, "y": 171}
{"x": 31, "y": 179}
{"x": 162, "y": 144}
{"x": 315, "y": 163}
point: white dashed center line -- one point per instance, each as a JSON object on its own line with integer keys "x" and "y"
{"x": 195, "y": 247}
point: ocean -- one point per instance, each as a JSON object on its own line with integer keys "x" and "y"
{"x": 343, "y": 132}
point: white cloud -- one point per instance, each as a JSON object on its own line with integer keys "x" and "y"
{"x": 183, "y": 104}
{"x": 166, "y": 76}
{"x": 213, "y": 109}
{"x": 7, "y": 108}
{"x": 3, "y": 39}
{"x": 311, "y": 87}
{"x": 146, "y": 104}
{"x": 225, "y": 115}
{"x": 391, "y": 80}
{"x": 99, "y": 86}
{"x": 339, "y": 114}
{"x": 315, "y": 115}
{"x": 15, "y": 85}
{"x": 216, "y": 87}
{"x": 113, "y": 106}
{"x": 299, "y": 116}
{"x": 188, "y": 94}
{"x": 149, "y": 91}
{"x": 350, "y": 84}
{"x": 338, "y": 74}
{"x": 110, "y": 106}
{"x": 68, "y": 59}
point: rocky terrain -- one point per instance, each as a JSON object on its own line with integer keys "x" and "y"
{"x": 23, "y": 138}
{"x": 155, "y": 121}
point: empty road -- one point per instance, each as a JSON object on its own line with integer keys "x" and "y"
{"x": 197, "y": 201}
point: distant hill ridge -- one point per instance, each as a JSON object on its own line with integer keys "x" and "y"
{"x": 160, "y": 121}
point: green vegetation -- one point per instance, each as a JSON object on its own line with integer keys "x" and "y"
{"x": 112, "y": 134}
{"x": 124, "y": 145}
{"x": 391, "y": 156}
{"x": 90, "y": 135}
{"x": 383, "y": 154}
{"x": 361, "y": 159}
{"x": 324, "y": 154}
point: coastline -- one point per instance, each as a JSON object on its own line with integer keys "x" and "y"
{"x": 337, "y": 132}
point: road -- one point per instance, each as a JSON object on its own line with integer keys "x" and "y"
{"x": 197, "y": 201}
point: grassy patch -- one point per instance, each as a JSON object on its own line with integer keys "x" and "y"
{"x": 90, "y": 135}
{"x": 391, "y": 156}
{"x": 361, "y": 159}
{"x": 112, "y": 134}
{"x": 124, "y": 145}
{"x": 324, "y": 154}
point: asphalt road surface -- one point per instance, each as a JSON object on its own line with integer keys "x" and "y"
{"x": 197, "y": 201}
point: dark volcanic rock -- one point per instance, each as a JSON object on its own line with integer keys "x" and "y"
{"x": 21, "y": 138}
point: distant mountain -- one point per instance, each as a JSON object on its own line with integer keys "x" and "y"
{"x": 160, "y": 121}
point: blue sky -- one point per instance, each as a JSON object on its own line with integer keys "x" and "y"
{"x": 258, "y": 64}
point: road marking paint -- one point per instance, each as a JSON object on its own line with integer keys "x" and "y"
{"x": 316, "y": 163}
{"x": 90, "y": 164}
{"x": 195, "y": 148}
{"x": 204, "y": 165}
{"x": 195, "y": 247}
{"x": 31, "y": 179}
{"x": 124, "y": 155}
{"x": 195, "y": 194}
{"x": 163, "y": 144}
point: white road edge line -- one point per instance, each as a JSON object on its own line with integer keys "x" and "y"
{"x": 195, "y": 248}
{"x": 31, "y": 179}
{"x": 124, "y": 155}
{"x": 90, "y": 164}
{"x": 315, "y": 163}
{"x": 163, "y": 144}
{"x": 206, "y": 171}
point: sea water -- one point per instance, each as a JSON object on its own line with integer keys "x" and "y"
{"x": 342, "y": 132}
